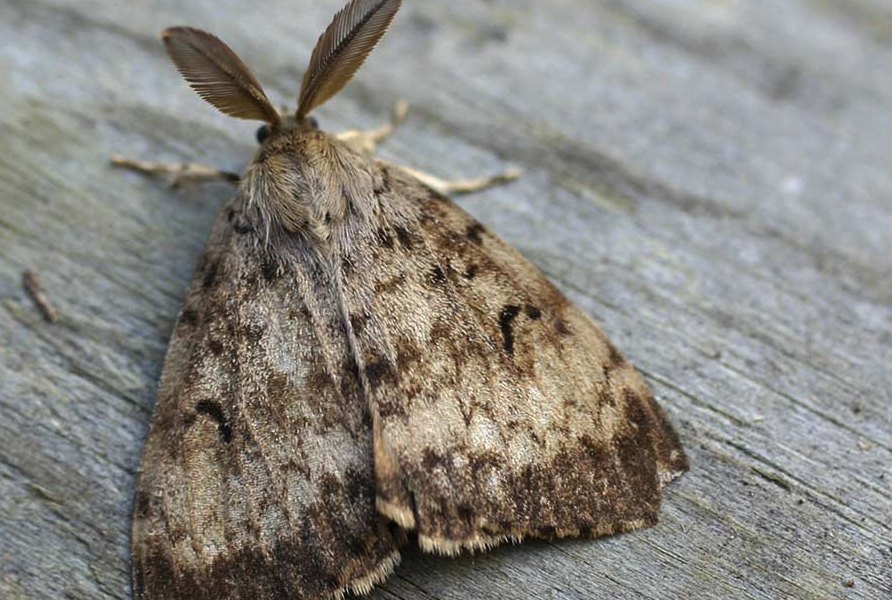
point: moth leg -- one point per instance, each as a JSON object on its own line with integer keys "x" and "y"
{"x": 366, "y": 141}
{"x": 462, "y": 186}
{"x": 176, "y": 174}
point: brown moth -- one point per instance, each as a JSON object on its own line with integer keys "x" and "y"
{"x": 358, "y": 360}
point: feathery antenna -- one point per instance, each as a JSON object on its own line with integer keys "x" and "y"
{"x": 217, "y": 74}
{"x": 342, "y": 49}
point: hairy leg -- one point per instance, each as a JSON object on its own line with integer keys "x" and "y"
{"x": 363, "y": 141}
{"x": 462, "y": 186}
{"x": 366, "y": 142}
{"x": 176, "y": 174}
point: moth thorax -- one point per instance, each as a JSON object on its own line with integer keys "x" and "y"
{"x": 298, "y": 196}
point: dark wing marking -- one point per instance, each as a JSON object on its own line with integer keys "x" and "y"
{"x": 256, "y": 481}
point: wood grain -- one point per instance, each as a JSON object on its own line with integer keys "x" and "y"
{"x": 710, "y": 180}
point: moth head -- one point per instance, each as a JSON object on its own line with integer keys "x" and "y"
{"x": 270, "y": 135}
{"x": 219, "y": 76}
{"x": 288, "y": 123}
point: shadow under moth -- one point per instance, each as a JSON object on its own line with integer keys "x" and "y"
{"x": 359, "y": 361}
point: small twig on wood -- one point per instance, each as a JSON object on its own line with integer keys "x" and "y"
{"x": 32, "y": 286}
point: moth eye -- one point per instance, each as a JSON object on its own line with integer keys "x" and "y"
{"x": 313, "y": 122}
{"x": 262, "y": 133}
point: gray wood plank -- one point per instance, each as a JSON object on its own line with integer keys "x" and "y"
{"x": 710, "y": 181}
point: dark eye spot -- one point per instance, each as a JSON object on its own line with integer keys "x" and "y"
{"x": 262, "y": 133}
{"x": 313, "y": 122}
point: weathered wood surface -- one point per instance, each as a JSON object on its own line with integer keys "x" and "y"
{"x": 712, "y": 181}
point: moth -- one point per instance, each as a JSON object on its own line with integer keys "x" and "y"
{"x": 358, "y": 361}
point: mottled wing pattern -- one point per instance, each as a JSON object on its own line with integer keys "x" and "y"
{"x": 256, "y": 480}
{"x": 500, "y": 409}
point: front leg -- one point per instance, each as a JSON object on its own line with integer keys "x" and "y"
{"x": 366, "y": 141}
{"x": 462, "y": 186}
{"x": 177, "y": 174}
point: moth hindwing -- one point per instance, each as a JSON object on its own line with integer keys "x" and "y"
{"x": 358, "y": 358}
